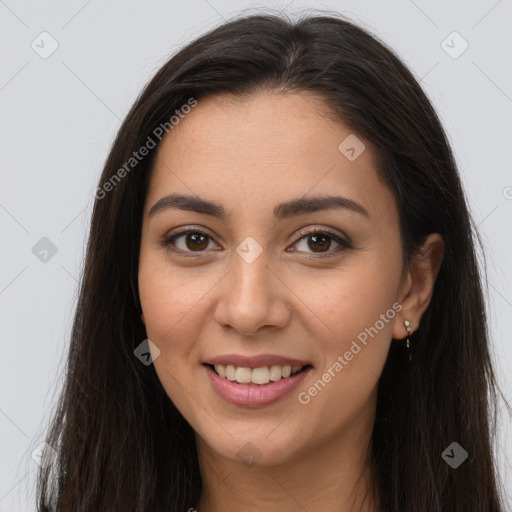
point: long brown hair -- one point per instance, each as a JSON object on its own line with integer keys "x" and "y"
{"x": 121, "y": 443}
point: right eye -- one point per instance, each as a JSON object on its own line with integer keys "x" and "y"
{"x": 194, "y": 240}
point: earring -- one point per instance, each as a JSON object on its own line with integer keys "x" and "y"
{"x": 407, "y": 341}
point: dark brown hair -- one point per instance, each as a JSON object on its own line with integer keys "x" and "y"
{"x": 121, "y": 443}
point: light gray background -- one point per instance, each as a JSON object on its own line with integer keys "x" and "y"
{"x": 59, "y": 116}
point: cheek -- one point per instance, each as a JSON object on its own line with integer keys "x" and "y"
{"x": 346, "y": 302}
{"x": 353, "y": 321}
{"x": 170, "y": 298}
{"x": 171, "y": 304}
{"x": 352, "y": 325}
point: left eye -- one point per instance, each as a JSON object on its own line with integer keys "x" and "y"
{"x": 197, "y": 241}
{"x": 317, "y": 241}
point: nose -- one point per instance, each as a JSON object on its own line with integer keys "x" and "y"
{"x": 252, "y": 297}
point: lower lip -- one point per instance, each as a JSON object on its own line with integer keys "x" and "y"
{"x": 253, "y": 395}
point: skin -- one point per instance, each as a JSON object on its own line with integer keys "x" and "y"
{"x": 250, "y": 154}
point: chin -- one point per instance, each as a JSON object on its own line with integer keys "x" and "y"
{"x": 254, "y": 450}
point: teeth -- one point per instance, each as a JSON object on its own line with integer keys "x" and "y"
{"x": 243, "y": 375}
{"x": 275, "y": 373}
{"x": 262, "y": 375}
{"x": 230, "y": 372}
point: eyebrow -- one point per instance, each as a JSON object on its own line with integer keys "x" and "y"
{"x": 281, "y": 211}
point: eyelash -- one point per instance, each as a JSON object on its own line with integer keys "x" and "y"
{"x": 344, "y": 244}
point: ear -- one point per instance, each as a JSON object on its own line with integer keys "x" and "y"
{"x": 418, "y": 287}
{"x": 142, "y": 318}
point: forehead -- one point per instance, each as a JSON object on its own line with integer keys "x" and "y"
{"x": 253, "y": 152}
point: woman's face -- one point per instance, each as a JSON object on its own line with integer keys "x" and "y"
{"x": 264, "y": 285}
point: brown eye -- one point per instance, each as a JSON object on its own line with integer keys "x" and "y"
{"x": 320, "y": 242}
{"x": 186, "y": 241}
{"x": 196, "y": 241}
{"x": 189, "y": 241}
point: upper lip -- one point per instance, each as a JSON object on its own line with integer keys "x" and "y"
{"x": 256, "y": 361}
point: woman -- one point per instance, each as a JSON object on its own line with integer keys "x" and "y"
{"x": 281, "y": 307}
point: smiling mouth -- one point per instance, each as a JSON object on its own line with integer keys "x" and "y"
{"x": 256, "y": 376}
